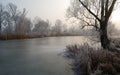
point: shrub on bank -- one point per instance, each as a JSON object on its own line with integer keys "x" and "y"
{"x": 93, "y": 61}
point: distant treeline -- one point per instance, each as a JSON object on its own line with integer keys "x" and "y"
{"x": 14, "y": 24}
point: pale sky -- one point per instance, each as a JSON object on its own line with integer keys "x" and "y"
{"x": 50, "y": 9}
{"x": 116, "y": 18}
{"x": 45, "y": 9}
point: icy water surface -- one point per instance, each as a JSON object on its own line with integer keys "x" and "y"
{"x": 36, "y": 56}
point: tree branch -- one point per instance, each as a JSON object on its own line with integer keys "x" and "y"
{"x": 91, "y": 26}
{"x": 89, "y": 10}
{"x": 87, "y": 16}
{"x": 110, "y": 9}
{"x": 102, "y": 10}
{"x": 106, "y": 7}
{"x": 88, "y": 24}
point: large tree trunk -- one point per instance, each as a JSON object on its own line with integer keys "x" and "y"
{"x": 103, "y": 35}
{"x": 105, "y": 42}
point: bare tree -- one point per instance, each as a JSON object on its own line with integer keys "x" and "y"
{"x": 14, "y": 13}
{"x": 95, "y": 13}
{"x": 57, "y": 27}
{"x": 41, "y": 27}
{"x": 27, "y": 26}
{"x": 20, "y": 25}
{"x": 1, "y": 16}
{"x": 8, "y": 23}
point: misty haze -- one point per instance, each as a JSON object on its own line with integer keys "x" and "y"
{"x": 65, "y": 37}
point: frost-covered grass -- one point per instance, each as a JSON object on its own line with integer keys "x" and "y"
{"x": 93, "y": 61}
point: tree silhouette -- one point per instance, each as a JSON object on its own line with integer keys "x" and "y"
{"x": 95, "y": 13}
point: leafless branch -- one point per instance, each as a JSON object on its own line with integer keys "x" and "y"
{"x": 88, "y": 24}
{"x": 87, "y": 16}
{"x": 91, "y": 26}
{"x": 102, "y": 9}
{"x": 106, "y": 7}
{"x": 89, "y": 10}
{"x": 110, "y": 9}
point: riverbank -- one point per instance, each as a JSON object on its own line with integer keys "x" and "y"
{"x": 13, "y": 37}
{"x": 93, "y": 61}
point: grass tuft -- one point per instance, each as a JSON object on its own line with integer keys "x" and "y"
{"x": 93, "y": 61}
